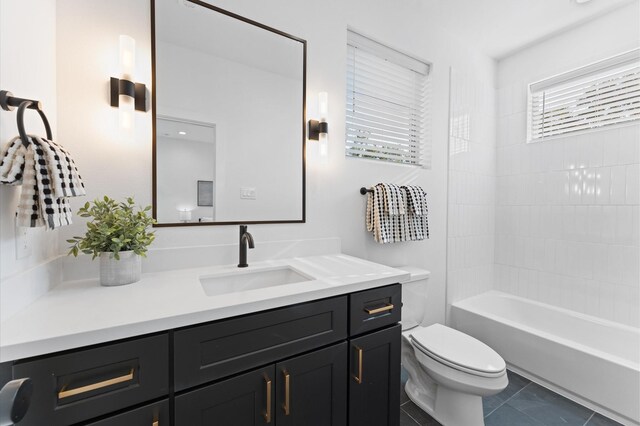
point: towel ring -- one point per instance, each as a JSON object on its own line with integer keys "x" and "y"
{"x": 23, "y": 134}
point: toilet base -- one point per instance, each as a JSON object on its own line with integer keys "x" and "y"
{"x": 450, "y": 407}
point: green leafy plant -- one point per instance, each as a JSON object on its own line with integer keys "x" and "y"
{"x": 114, "y": 227}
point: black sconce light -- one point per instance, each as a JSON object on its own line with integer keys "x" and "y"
{"x": 319, "y": 129}
{"x": 126, "y": 95}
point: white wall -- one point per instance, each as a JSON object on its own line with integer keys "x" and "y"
{"x": 567, "y": 218}
{"x": 28, "y": 69}
{"x": 87, "y": 51}
{"x": 472, "y": 144}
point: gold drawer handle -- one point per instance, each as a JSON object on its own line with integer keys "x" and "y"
{"x": 156, "y": 423}
{"x": 387, "y": 307}
{"x": 287, "y": 393}
{"x": 88, "y": 388}
{"x": 267, "y": 413}
{"x": 358, "y": 377}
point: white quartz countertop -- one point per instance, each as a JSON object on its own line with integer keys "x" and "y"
{"x": 81, "y": 313}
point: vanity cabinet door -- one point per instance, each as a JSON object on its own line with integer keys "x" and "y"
{"x": 156, "y": 414}
{"x": 311, "y": 388}
{"x": 244, "y": 400}
{"x": 374, "y": 383}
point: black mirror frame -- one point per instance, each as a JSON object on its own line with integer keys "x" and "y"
{"x": 154, "y": 112}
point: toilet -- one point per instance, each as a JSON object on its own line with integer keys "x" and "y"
{"x": 449, "y": 371}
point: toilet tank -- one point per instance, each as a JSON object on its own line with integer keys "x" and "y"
{"x": 414, "y": 296}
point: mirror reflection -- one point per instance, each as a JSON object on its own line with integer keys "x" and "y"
{"x": 229, "y": 119}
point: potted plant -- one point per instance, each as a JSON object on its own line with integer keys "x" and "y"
{"x": 119, "y": 234}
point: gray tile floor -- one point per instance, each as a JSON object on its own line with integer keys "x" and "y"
{"x": 522, "y": 403}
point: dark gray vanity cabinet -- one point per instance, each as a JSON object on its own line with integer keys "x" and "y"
{"x": 374, "y": 356}
{"x": 333, "y": 361}
{"x": 375, "y": 378}
{"x": 76, "y": 386}
{"x": 306, "y": 390}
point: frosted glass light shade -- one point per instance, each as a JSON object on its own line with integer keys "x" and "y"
{"x": 127, "y": 57}
{"x": 323, "y": 106}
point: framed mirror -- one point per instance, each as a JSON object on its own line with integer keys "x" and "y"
{"x": 228, "y": 118}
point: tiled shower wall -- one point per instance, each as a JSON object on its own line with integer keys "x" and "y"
{"x": 471, "y": 212}
{"x": 567, "y": 215}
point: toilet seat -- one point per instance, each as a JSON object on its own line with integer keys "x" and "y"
{"x": 457, "y": 350}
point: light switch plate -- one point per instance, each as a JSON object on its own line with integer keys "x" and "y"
{"x": 23, "y": 242}
{"x": 247, "y": 193}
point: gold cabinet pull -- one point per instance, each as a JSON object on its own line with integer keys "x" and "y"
{"x": 88, "y": 388}
{"x": 287, "y": 393}
{"x": 358, "y": 377}
{"x": 156, "y": 423}
{"x": 267, "y": 413}
{"x": 387, "y": 307}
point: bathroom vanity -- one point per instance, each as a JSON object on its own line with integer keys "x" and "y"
{"x": 333, "y": 358}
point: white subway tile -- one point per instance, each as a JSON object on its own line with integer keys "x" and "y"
{"x": 610, "y": 150}
{"x": 606, "y": 307}
{"x": 633, "y": 184}
{"x": 555, "y": 156}
{"x": 575, "y": 186}
{"x": 549, "y": 259}
{"x": 562, "y": 258}
{"x": 568, "y": 222}
{"x": 630, "y": 266}
{"x": 624, "y": 225}
{"x": 594, "y": 149}
{"x": 635, "y": 224}
{"x": 519, "y": 250}
{"x": 629, "y": 145}
{"x": 603, "y": 185}
{"x": 618, "y": 185}
{"x": 614, "y": 264}
{"x": 600, "y": 262}
{"x": 570, "y": 154}
{"x": 581, "y": 223}
{"x": 589, "y": 186}
{"x": 609, "y": 224}
{"x": 594, "y": 226}
{"x": 592, "y": 295}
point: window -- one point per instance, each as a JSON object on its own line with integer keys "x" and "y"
{"x": 387, "y": 103}
{"x": 601, "y": 94}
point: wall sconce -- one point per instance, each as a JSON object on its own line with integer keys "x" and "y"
{"x": 319, "y": 129}
{"x": 185, "y": 215}
{"x": 125, "y": 94}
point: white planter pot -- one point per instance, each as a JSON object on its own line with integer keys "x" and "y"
{"x": 127, "y": 270}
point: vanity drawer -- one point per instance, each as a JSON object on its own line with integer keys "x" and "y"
{"x": 156, "y": 414}
{"x": 84, "y": 384}
{"x": 375, "y": 308}
{"x": 212, "y": 351}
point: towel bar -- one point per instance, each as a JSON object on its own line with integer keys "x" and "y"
{"x": 364, "y": 190}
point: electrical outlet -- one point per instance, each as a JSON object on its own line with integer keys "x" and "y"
{"x": 247, "y": 193}
{"x": 23, "y": 242}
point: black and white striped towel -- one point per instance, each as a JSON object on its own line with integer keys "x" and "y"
{"x": 48, "y": 176}
{"x": 396, "y": 214}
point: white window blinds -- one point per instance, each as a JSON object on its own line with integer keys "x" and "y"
{"x": 387, "y": 103}
{"x": 601, "y": 94}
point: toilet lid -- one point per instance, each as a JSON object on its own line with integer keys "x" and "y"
{"x": 457, "y": 349}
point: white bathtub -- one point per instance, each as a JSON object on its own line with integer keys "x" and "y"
{"x": 594, "y": 362}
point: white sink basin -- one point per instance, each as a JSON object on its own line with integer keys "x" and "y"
{"x": 215, "y": 285}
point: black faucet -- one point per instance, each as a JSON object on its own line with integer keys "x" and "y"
{"x": 245, "y": 237}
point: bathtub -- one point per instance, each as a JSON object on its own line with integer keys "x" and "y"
{"x": 592, "y": 361}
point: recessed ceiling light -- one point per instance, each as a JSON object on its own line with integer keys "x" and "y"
{"x": 582, "y": 1}
{"x": 182, "y": 133}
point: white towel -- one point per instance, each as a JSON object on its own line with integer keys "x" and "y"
{"x": 48, "y": 176}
